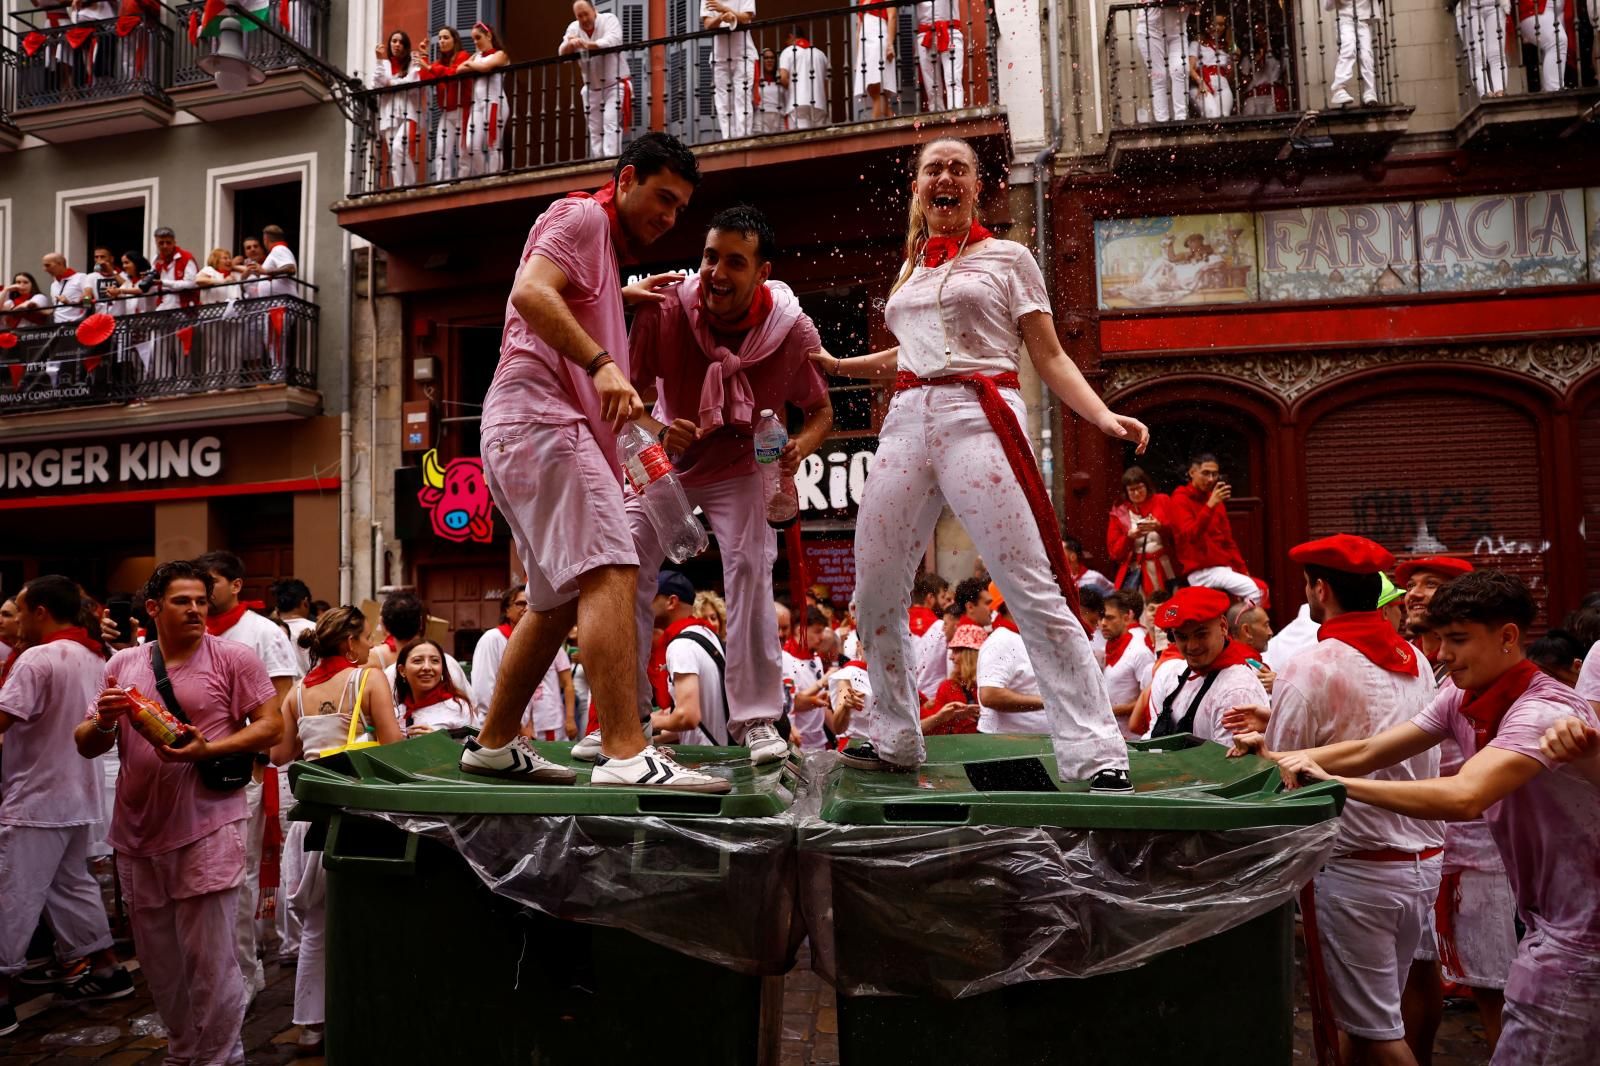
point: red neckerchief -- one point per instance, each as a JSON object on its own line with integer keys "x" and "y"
{"x": 1006, "y": 622}
{"x": 1115, "y": 648}
{"x": 939, "y": 250}
{"x": 326, "y": 670}
{"x": 862, "y": 663}
{"x": 1168, "y": 653}
{"x": 1233, "y": 654}
{"x": 277, "y": 244}
{"x": 76, "y": 634}
{"x": 801, "y": 42}
{"x": 793, "y": 647}
{"x": 438, "y": 694}
{"x": 67, "y": 274}
{"x": 5, "y": 668}
{"x": 684, "y": 623}
{"x": 505, "y": 629}
{"x": 606, "y": 197}
{"x": 180, "y": 259}
{"x": 218, "y": 624}
{"x": 388, "y": 642}
{"x": 1485, "y": 709}
{"x": 397, "y": 67}
{"x": 921, "y": 620}
{"x": 1368, "y": 633}
{"x": 754, "y": 315}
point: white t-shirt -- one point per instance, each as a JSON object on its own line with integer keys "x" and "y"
{"x": 1333, "y": 693}
{"x": 485, "y": 666}
{"x": 930, "y": 656}
{"x": 856, "y": 677}
{"x": 735, "y": 46}
{"x": 930, "y": 11}
{"x": 1298, "y": 636}
{"x": 602, "y": 71}
{"x": 298, "y": 626}
{"x": 452, "y": 713}
{"x": 808, "y": 76}
{"x": 278, "y": 258}
{"x": 1236, "y": 686}
{"x": 1129, "y": 675}
{"x": 548, "y": 710}
{"x": 1208, "y": 54}
{"x": 1003, "y": 663}
{"x": 66, "y": 294}
{"x": 271, "y": 645}
{"x": 806, "y": 725}
{"x": 686, "y": 657}
{"x": 46, "y": 782}
{"x": 989, "y": 288}
{"x": 1589, "y": 677}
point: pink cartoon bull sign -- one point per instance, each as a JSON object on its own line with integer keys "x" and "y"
{"x": 457, "y": 499}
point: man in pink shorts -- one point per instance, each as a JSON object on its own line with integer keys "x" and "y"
{"x": 560, "y": 394}
{"x": 714, "y": 352}
{"x": 1544, "y": 816}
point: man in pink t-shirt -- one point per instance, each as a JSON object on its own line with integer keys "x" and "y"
{"x": 1544, "y": 816}
{"x": 560, "y": 394}
{"x": 180, "y": 845}
{"x": 727, "y": 344}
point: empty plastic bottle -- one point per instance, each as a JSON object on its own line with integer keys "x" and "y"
{"x": 650, "y": 473}
{"x": 783, "y": 500}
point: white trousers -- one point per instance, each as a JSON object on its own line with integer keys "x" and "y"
{"x": 731, "y": 77}
{"x": 1483, "y": 36}
{"x": 603, "y": 111}
{"x": 803, "y": 117}
{"x": 1159, "y": 35}
{"x": 46, "y": 871}
{"x": 738, "y": 517}
{"x": 308, "y": 899}
{"x": 944, "y": 73}
{"x": 486, "y": 137}
{"x": 1216, "y": 103}
{"x": 287, "y": 925}
{"x": 255, "y": 978}
{"x": 937, "y": 447}
{"x": 768, "y": 122}
{"x": 1549, "y": 32}
{"x": 1355, "y": 35}
{"x": 1235, "y": 584}
{"x": 398, "y": 146}
{"x": 447, "y": 162}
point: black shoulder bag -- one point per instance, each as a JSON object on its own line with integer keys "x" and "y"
{"x": 722, "y": 684}
{"x": 1166, "y": 725}
{"x": 225, "y": 773}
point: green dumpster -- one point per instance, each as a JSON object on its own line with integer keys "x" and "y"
{"x": 982, "y": 911}
{"x": 475, "y": 921}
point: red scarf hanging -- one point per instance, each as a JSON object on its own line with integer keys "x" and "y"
{"x": 936, "y": 251}
{"x": 606, "y": 197}
{"x": 505, "y": 629}
{"x": 1233, "y": 654}
{"x": 754, "y": 315}
{"x": 398, "y": 67}
{"x": 326, "y": 670}
{"x": 1368, "y": 633}
{"x": 921, "y": 620}
{"x": 1485, "y": 709}
{"x": 76, "y": 634}
{"x": 218, "y": 624}
{"x": 1115, "y": 648}
{"x": 388, "y": 642}
{"x": 793, "y": 647}
{"x": 1005, "y": 621}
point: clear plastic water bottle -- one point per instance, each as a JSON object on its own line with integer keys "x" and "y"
{"x": 650, "y": 473}
{"x": 783, "y": 500}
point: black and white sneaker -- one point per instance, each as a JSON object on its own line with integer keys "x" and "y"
{"x": 8, "y": 1019}
{"x": 587, "y": 749}
{"x": 765, "y": 744}
{"x": 864, "y": 756}
{"x": 517, "y": 761}
{"x": 1111, "y": 780}
{"x": 53, "y": 974}
{"x": 654, "y": 768}
{"x": 92, "y": 987}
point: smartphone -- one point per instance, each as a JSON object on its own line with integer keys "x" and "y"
{"x": 121, "y": 610}
{"x": 1255, "y": 664}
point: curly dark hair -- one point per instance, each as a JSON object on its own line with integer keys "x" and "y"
{"x": 651, "y": 153}
{"x": 1489, "y": 597}
{"x": 176, "y": 570}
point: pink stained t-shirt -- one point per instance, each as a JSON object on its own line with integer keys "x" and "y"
{"x": 535, "y": 383}
{"x": 1548, "y": 831}
{"x": 162, "y": 806}
{"x": 1467, "y": 845}
{"x": 45, "y": 782}
{"x": 667, "y": 356}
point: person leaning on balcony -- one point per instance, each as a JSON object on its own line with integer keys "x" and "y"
{"x": 134, "y": 299}
{"x": 101, "y": 280}
{"x": 489, "y": 109}
{"x": 1211, "y": 69}
{"x": 216, "y": 278}
{"x": 399, "y": 142}
{"x": 66, "y": 289}
{"x": 733, "y": 60}
{"x": 95, "y": 53}
{"x": 803, "y": 70}
{"x": 769, "y": 98}
{"x": 279, "y": 266}
{"x": 449, "y": 145}
{"x": 176, "y": 269}
{"x": 604, "y": 79}
{"x": 22, "y": 304}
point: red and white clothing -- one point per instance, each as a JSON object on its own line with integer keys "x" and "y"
{"x": 278, "y": 257}
{"x": 1544, "y": 23}
{"x": 488, "y": 109}
{"x": 719, "y": 381}
{"x": 1548, "y": 833}
{"x": 733, "y": 59}
{"x": 66, "y": 297}
{"x": 1003, "y": 663}
{"x": 950, "y": 692}
{"x": 937, "y": 446}
{"x": 807, "y": 727}
{"x": 178, "y": 288}
{"x": 930, "y": 652}
{"x": 1236, "y": 686}
{"x": 458, "y": 677}
{"x": 1130, "y": 667}
{"x": 1149, "y": 552}
{"x": 262, "y": 636}
{"x": 603, "y": 77}
{"x": 1288, "y": 643}
{"x": 942, "y": 54}
{"x": 49, "y": 804}
{"x": 402, "y": 119}
{"x": 684, "y": 657}
{"x": 1588, "y": 685}
{"x": 874, "y": 62}
{"x": 1264, "y": 91}
{"x": 451, "y": 712}
{"x": 1475, "y": 915}
{"x": 1207, "y": 553}
{"x": 24, "y": 312}
{"x": 855, "y": 674}
{"x": 1354, "y": 19}
{"x": 486, "y": 656}
{"x": 807, "y": 94}
{"x": 1215, "y": 64}
{"x": 453, "y": 97}
{"x": 771, "y": 103}
{"x": 549, "y": 458}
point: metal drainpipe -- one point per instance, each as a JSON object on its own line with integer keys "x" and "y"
{"x": 1042, "y": 243}
{"x": 346, "y": 496}
{"x": 376, "y": 539}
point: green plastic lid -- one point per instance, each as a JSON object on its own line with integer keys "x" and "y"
{"x": 982, "y": 779}
{"x": 423, "y": 776}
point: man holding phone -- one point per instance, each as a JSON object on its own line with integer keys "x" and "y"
{"x": 1207, "y": 552}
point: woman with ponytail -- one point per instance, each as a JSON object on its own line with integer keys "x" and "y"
{"x": 963, "y": 308}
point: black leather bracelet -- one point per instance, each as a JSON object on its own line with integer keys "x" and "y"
{"x": 597, "y": 362}
{"x": 661, "y": 434}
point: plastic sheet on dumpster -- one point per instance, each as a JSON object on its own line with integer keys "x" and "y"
{"x": 954, "y": 911}
{"x": 717, "y": 889}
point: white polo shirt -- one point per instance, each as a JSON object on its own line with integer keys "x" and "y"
{"x": 1003, "y": 663}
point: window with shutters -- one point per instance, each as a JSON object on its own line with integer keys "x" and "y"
{"x": 462, "y": 14}
{"x": 633, "y": 14}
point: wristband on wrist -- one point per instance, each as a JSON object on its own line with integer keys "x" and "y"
{"x": 661, "y": 436}
{"x": 600, "y": 360}
{"x": 98, "y": 728}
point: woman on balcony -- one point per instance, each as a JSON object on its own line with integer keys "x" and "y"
{"x": 489, "y": 108}
{"x": 216, "y": 278}
{"x": 1211, "y": 70}
{"x": 451, "y": 95}
{"x": 964, "y": 308}
{"x": 22, "y": 304}
{"x": 399, "y": 143}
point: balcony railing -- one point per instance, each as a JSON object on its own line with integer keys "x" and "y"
{"x": 565, "y": 109}
{"x": 1484, "y": 52}
{"x": 308, "y": 26}
{"x": 1214, "y": 63}
{"x": 59, "y": 62}
{"x": 268, "y": 340}
{"x": 8, "y": 84}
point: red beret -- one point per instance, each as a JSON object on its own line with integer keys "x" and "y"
{"x": 1352, "y": 555}
{"x": 1444, "y": 565}
{"x": 96, "y": 329}
{"x": 1192, "y": 604}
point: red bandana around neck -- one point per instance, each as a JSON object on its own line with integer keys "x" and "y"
{"x": 861, "y": 663}
{"x": 326, "y": 670}
{"x": 1006, "y": 622}
{"x": 1369, "y": 634}
{"x": 606, "y": 197}
{"x": 76, "y": 634}
{"x": 754, "y": 315}
{"x": 921, "y": 620}
{"x": 939, "y": 250}
{"x": 801, "y": 42}
{"x": 505, "y": 629}
{"x": 1485, "y": 709}
{"x": 685, "y": 623}
{"x": 1115, "y": 648}
{"x": 437, "y": 694}
{"x": 218, "y": 624}
{"x": 1233, "y": 654}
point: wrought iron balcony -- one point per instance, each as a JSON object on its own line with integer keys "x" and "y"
{"x": 10, "y": 136}
{"x": 288, "y": 84}
{"x": 1515, "y": 87}
{"x": 60, "y": 62}
{"x": 570, "y": 108}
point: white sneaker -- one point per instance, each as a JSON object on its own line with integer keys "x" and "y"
{"x": 517, "y": 761}
{"x": 654, "y": 768}
{"x": 765, "y": 744}
{"x": 587, "y": 749}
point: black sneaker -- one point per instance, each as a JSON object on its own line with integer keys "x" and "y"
{"x": 53, "y": 974}
{"x": 1111, "y": 780}
{"x": 91, "y": 986}
{"x": 864, "y": 756}
{"x": 8, "y": 1019}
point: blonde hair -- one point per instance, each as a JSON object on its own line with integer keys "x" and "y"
{"x": 964, "y": 666}
{"x": 710, "y": 606}
{"x": 223, "y": 254}
{"x": 917, "y": 223}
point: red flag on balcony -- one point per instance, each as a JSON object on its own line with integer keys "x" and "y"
{"x": 186, "y": 338}
{"x": 91, "y": 364}
{"x": 33, "y": 42}
{"x": 283, "y": 14}
{"x": 275, "y": 320}
{"x": 126, "y": 25}
{"x": 76, "y": 35}
{"x": 8, "y": 341}
{"x": 194, "y": 29}
{"x": 17, "y": 370}
{"x": 147, "y": 8}
{"x": 214, "y": 9}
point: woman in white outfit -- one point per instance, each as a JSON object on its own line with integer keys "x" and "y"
{"x": 1482, "y": 26}
{"x": 398, "y": 137}
{"x": 942, "y": 54}
{"x": 453, "y": 96}
{"x": 1543, "y": 23}
{"x": 1211, "y": 70}
{"x": 489, "y": 110}
{"x": 425, "y": 698}
{"x": 1161, "y": 35}
{"x": 317, "y": 714}
{"x": 876, "y": 79}
{"x": 771, "y": 99}
{"x": 964, "y": 308}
